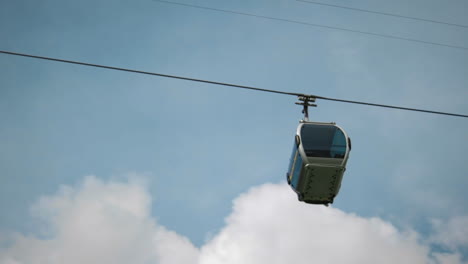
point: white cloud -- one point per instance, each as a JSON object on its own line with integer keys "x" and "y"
{"x": 99, "y": 222}
{"x": 448, "y": 258}
{"x": 268, "y": 225}
{"x": 110, "y": 222}
{"x": 452, "y": 233}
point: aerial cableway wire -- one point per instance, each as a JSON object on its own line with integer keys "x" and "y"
{"x": 383, "y": 13}
{"x": 316, "y": 25}
{"x": 228, "y": 84}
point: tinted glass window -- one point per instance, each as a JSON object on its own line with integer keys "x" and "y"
{"x": 295, "y": 165}
{"x": 292, "y": 160}
{"x": 323, "y": 141}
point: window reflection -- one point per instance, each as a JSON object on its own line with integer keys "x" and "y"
{"x": 295, "y": 165}
{"x": 326, "y": 141}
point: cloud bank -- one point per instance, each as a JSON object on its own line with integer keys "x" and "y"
{"x": 111, "y": 222}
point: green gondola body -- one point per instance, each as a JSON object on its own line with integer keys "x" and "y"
{"x": 318, "y": 162}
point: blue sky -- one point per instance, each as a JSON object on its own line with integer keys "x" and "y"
{"x": 196, "y": 147}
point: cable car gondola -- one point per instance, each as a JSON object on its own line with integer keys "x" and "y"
{"x": 318, "y": 161}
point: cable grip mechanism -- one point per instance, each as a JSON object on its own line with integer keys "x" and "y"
{"x": 306, "y": 101}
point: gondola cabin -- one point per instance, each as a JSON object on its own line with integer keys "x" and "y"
{"x": 318, "y": 161}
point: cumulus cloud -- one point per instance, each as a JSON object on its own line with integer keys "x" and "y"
{"x": 452, "y": 233}
{"x": 111, "y": 222}
{"x": 99, "y": 222}
{"x": 268, "y": 225}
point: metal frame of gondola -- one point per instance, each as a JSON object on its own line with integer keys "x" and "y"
{"x": 309, "y": 101}
{"x": 306, "y": 101}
